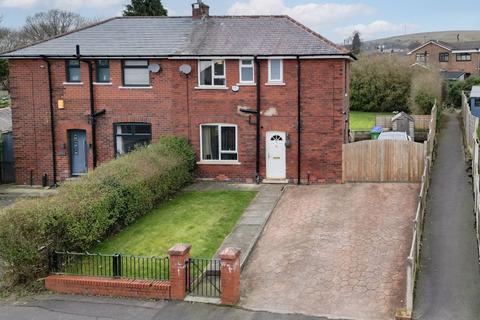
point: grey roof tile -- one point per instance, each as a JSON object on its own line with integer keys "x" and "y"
{"x": 163, "y": 36}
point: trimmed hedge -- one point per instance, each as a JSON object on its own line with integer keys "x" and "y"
{"x": 100, "y": 204}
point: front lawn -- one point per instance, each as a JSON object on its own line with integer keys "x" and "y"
{"x": 360, "y": 120}
{"x": 201, "y": 218}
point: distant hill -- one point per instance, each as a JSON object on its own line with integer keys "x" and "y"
{"x": 407, "y": 42}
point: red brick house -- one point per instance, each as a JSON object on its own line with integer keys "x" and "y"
{"x": 456, "y": 60}
{"x": 258, "y": 97}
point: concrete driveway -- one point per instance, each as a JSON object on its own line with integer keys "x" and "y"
{"x": 335, "y": 250}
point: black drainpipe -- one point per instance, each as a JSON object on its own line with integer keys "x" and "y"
{"x": 257, "y": 163}
{"x": 93, "y": 115}
{"x": 52, "y": 120}
{"x": 299, "y": 122}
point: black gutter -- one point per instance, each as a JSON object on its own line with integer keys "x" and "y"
{"x": 257, "y": 160}
{"x": 52, "y": 120}
{"x": 299, "y": 123}
{"x": 93, "y": 115}
{"x": 182, "y": 56}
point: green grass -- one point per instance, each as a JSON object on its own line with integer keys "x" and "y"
{"x": 364, "y": 120}
{"x": 201, "y": 218}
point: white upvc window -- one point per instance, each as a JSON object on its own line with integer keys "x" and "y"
{"x": 275, "y": 71}
{"x": 247, "y": 72}
{"x": 218, "y": 142}
{"x": 211, "y": 73}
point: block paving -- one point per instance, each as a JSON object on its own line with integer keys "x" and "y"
{"x": 337, "y": 251}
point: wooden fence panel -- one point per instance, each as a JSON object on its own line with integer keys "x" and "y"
{"x": 422, "y": 121}
{"x": 383, "y": 161}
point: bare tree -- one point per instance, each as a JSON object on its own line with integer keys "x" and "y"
{"x": 44, "y": 25}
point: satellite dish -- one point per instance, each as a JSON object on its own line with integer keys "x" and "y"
{"x": 154, "y": 68}
{"x": 185, "y": 69}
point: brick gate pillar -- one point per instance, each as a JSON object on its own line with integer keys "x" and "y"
{"x": 230, "y": 275}
{"x": 179, "y": 255}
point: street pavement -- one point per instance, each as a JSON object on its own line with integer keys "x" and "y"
{"x": 70, "y": 307}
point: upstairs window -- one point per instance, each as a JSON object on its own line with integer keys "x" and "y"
{"x": 128, "y": 136}
{"x": 465, "y": 56}
{"x": 422, "y": 57}
{"x": 246, "y": 71}
{"x": 443, "y": 57}
{"x": 103, "y": 71}
{"x": 218, "y": 142}
{"x": 275, "y": 71}
{"x": 211, "y": 73}
{"x": 135, "y": 73}
{"x": 73, "y": 70}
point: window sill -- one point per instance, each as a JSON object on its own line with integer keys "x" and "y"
{"x": 247, "y": 84}
{"x": 73, "y": 83}
{"x": 275, "y": 83}
{"x": 220, "y": 162}
{"x": 133, "y": 87}
{"x": 211, "y": 88}
{"x": 102, "y": 83}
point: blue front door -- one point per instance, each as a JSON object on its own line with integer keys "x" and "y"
{"x": 78, "y": 152}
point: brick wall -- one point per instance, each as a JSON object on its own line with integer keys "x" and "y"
{"x": 143, "y": 289}
{"x": 175, "y": 288}
{"x": 175, "y": 106}
{"x": 434, "y": 51}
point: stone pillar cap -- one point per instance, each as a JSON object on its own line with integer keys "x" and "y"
{"x": 180, "y": 249}
{"x": 230, "y": 253}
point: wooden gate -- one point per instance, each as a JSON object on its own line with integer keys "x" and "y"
{"x": 383, "y": 161}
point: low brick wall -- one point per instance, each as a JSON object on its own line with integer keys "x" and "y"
{"x": 174, "y": 289}
{"x": 145, "y": 289}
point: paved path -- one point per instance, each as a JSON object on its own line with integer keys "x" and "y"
{"x": 249, "y": 227}
{"x": 66, "y": 307}
{"x": 448, "y": 285}
{"x": 334, "y": 250}
{"x": 9, "y": 193}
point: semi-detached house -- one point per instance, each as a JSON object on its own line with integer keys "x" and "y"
{"x": 259, "y": 97}
{"x": 457, "y": 60}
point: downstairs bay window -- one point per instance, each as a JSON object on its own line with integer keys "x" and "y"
{"x": 130, "y": 135}
{"x": 218, "y": 142}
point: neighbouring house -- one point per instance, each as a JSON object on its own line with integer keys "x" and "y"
{"x": 258, "y": 97}
{"x": 7, "y": 160}
{"x": 457, "y": 60}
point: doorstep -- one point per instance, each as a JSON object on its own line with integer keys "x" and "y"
{"x": 209, "y": 300}
{"x": 275, "y": 181}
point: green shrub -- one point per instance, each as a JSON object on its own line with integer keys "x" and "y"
{"x": 455, "y": 88}
{"x": 380, "y": 83}
{"x": 427, "y": 87}
{"x": 424, "y": 103}
{"x": 85, "y": 212}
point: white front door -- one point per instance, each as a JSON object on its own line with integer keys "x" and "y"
{"x": 276, "y": 163}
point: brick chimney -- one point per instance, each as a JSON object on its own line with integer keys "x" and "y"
{"x": 200, "y": 9}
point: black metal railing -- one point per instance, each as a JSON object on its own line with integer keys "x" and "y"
{"x": 202, "y": 277}
{"x": 114, "y": 265}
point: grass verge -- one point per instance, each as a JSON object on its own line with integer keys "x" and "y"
{"x": 364, "y": 120}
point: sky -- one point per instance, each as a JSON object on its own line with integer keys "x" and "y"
{"x": 335, "y": 20}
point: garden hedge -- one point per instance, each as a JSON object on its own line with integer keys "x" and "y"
{"x": 89, "y": 210}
